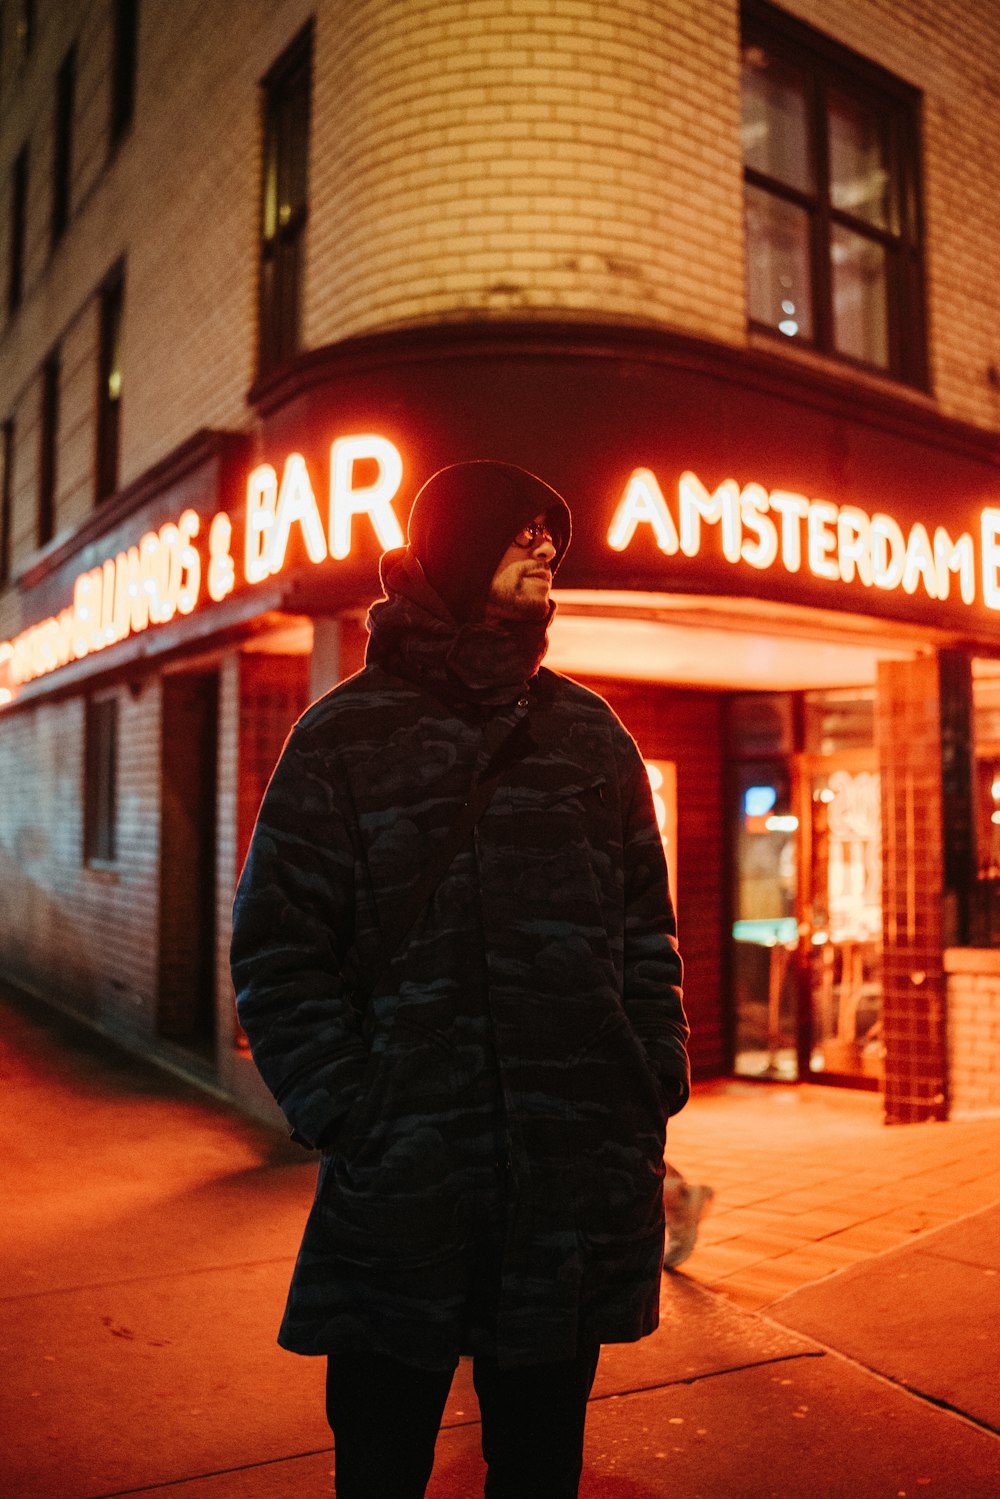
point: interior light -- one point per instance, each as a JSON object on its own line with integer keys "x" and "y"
{"x": 996, "y": 818}
{"x": 781, "y": 824}
{"x": 995, "y": 791}
{"x": 758, "y": 800}
{"x": 788, "y": 326}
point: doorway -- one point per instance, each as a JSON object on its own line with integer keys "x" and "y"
{"x": 806, "y": 950}
{"x": 188, "y": 827}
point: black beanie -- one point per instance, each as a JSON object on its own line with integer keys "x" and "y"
{"x": 464, "y": 519}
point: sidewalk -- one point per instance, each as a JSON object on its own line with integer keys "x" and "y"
{"x": 148, "y": 1233}
{"x": 809, "y": 1180}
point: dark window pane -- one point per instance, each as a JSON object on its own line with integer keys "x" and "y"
{"x": 100, "y": 781}
{"x": 760, "y": 723}
{"x": 18, "y": 225}
{"x": 62, "y": 155}
{"x": 6, "y": 498}
{"x": 860, "y": 327}
{"x": 48, "y": 450}
{"x": 284, "y": 204}
{"x": 775, "y": 121}
{"x": 778, "y": 264}
{"x": 860, "y": 181}
{"x": 123, "y": 67}
{"x": 839, "y": 720}
{"x": 25, "y": 29}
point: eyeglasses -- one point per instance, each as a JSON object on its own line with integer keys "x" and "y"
{"x": 531, "y": 535}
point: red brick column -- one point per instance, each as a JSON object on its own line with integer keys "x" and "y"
{"x": 909, "y": 736}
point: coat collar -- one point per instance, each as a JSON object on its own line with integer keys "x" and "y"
{"x": 413, "y": 635}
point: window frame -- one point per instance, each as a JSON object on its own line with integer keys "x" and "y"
{"x": 100, "y": 781}
{"x": 108, "y": 444}
{"x": 829, "y": 67}
{"x": 287, "y": 112}
{"x": 62, "y": 147}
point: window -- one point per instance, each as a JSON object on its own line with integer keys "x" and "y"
{"x": 109, "y": 390}
{"x": 48, "y": 446}
{"x": 100, "y": 781}
{"x": 830, "y": 154}
{"x": 123, "y": 66}
{"x": 18, "y": 224}
{"x": 25, "y": 29}
{"x": 6, "y": 499}
{"x": 62, "y": 152}
{"x": 284, "y": 203}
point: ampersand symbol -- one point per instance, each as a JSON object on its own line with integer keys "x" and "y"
{"x": 221, "y": 567}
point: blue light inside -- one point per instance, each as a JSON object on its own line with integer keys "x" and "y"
{"x": 758, "y": 800}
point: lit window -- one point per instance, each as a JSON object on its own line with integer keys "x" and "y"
{"x": 100, "y": 807}
{"x": 284, "y": 203}
{"x": 831, "y": 198}
{"x": 109, "y": 385}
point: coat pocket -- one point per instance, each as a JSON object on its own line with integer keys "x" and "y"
{"x": 619, "y": 1133}
{"x": 390, "y": 1190}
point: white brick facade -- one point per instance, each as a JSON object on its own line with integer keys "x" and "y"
{"x": 973, "y": 1031}
{"x": 565, "y": 159}
{"x": 471, "y": 161}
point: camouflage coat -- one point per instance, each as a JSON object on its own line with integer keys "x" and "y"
{"x": 529, "y": 1032}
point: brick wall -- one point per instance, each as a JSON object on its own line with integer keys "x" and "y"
{"x": 227, "y": 867}
{"x": 86, "y": 937}
{"x": 576, "y": 157}
{"x": 567, "y": 158}
{"x": 686, "y": 727}
{"x": 973, "y": 1030}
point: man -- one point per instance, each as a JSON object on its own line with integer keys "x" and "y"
{"x": 488, "y": 1076}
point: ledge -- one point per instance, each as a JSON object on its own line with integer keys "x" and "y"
{"x": 982, "y": 961}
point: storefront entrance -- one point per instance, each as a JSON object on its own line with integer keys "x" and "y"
{"x": 807, "y": 898}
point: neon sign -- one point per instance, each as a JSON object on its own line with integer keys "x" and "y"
{"x": 187, "y": 563}
{"x": 835, "y": 542}
{"x": 165, "y": 574}
{"x": 273, "y": 510}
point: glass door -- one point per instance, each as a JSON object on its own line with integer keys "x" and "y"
{"x": 765, "y": 921}
{"x": 842, "y": 907}
{"x": 806, "y": 887}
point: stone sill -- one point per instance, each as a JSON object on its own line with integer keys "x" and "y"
{"x": 976, "y": 960}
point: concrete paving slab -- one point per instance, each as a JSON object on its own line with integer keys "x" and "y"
{"x": 927, "y": 1316}
{"x": 189, "y": 1360}
{"x": 699, "y": 1334}
{"x": 151, "y": 1380}
{"x": 805, "y": 1428}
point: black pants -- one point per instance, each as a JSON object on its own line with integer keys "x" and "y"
{"x": 385, "y": 1418}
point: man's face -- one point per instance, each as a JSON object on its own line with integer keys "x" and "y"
{"x": 521, "y": 583}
